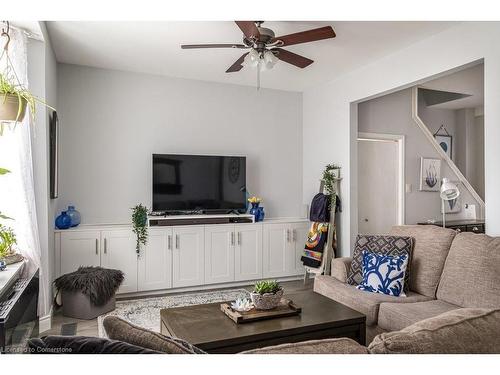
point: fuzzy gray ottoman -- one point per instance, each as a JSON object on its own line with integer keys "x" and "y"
{"x": 89, "y": 291}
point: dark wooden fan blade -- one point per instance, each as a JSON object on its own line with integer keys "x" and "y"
{"x": 306, "y": 36}
{"x": 192, "y": 46}
{"x": 249, "y": 29}
{"x": 236, "y": 67}
{"x": 293, "y": 58}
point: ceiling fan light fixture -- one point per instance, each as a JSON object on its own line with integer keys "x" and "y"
{"x": 269, "y": 60}
{"x": 252, "y": 59}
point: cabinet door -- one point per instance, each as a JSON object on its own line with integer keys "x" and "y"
{"x": 276, "y": 252}
{"x": 155, "y": 261}
{"x": 220, "y": 241}
{"x": 80, "y": 248}
{"x": 188, "y": 256}
{"x": 248, "y": 252}
{"x": 119, "y": 253}
{"x": 299, "y": 237}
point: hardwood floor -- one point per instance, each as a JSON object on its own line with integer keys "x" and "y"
{"x": 62, "y": 325}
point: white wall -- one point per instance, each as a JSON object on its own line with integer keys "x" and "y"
{"x": 111, "y": 122}
{"x": 329, "y": 124}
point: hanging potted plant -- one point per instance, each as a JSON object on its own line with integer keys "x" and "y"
{"x": 14, "y": 96}
{"x": 140, "y": 226}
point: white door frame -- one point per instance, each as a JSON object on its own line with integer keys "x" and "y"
{"x": 400, "y": 139}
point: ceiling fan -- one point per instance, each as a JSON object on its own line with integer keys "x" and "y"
{"x": 265, "y": 48}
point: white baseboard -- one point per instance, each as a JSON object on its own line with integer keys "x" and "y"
{"x": 45, "y": 322}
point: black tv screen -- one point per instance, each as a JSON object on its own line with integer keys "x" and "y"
{"x": 214, "y": 184}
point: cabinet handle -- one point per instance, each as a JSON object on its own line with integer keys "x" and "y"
{"x": 105, "y": 246}
{"x": 288, "y": 235}
{"x": 97, "y": 246}
{"x": 239, "y": 238}
{"x": 169, "y": 243}
{"x": 232, "y": 238}
{"x": 294, "y": 235}
{"x": 176, "y": 241}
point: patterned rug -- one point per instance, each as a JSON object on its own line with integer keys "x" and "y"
{"x": 145, "y": 312}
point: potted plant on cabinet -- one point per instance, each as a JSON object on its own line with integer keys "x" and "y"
{"x": 266, "y": 294}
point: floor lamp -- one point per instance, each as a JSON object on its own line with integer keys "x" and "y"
{"x": 448, "y": 192}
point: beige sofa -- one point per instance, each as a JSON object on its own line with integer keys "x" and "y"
{"x": 448, "y": 271}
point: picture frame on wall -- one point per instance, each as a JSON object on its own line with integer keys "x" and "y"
{"x": 54, "y": 154}
{"x": 446, "y": 143}
{"x": 430, "y": 174}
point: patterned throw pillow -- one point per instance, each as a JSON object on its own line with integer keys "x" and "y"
{"x": 384, "y": 274}
{"x": 379, "y": 244}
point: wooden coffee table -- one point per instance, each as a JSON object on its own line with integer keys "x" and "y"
{"x": 208, "y": 328}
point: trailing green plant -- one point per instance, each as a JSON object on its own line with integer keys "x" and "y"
{"x": 139, "y": 223}
{"x": 329, "y": 178}
{"x": 267, "y": 286}
{"x": 2, "y": 172}
{"x": 7, "y": 241}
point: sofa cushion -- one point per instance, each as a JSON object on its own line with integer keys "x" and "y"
{"x": 471, "y": 274}
{"x": 396, "y": 316}
{"x": 340, "y": 268}
{"x": 385, "y": 245}
{"x": 460, "y": 331}
{"x": 383, "y": 274}
{"x": 430, "y": 249}
{"x": 328, "y": 346}
{"x": 119, "y": 329}
{"x": 365, "y": 302}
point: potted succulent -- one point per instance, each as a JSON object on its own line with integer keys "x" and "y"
{"x": 266, "y": 294}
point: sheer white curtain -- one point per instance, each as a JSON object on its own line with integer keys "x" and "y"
{"x": 17, "y": 194}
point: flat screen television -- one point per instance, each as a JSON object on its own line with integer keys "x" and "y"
{"x": 201, "y": 183}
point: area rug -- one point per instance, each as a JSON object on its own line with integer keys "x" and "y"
{"x": 145, "y": 312}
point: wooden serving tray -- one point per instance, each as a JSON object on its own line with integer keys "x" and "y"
{"x": 285, "y": 308}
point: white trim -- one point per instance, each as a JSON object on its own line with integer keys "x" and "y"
{"x": 45, "y": 322}
{"x": 400, "y": 139}
{"x": 442, "y": 154}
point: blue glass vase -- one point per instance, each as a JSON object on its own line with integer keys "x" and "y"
{"x": 74, "y": 215}
{"x": 255, "y": 210}
{"x": 261, "y": 214}
{"x": 63, "y": 221}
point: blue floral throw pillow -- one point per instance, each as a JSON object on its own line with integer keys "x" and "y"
{"x": 383, "y": 274}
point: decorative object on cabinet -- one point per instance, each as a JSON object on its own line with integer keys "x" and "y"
{"x": 54, "y": 155}
{"x": 74, "y": 215}
{"x": 430, "y": 174}
{"x": 89, "y": 291}
{"x": 15, "y": 95}
{"x": 63, "y": 221}
{"x": 261, "y": 213}
{"x": 449, "y": 192}
{"x": 266, "y": 294}
{"x": 139, "y": 222}
{"x": 444, "y": 140}
{"x": 254, "y": 210}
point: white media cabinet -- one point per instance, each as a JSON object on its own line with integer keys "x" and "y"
{"x": 187, "y": 257}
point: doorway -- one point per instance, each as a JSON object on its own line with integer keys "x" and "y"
{"x": 380, "y": 182}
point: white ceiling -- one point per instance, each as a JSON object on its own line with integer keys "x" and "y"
{"x": 154, "y": 47}
{"x": 469, "y": 81}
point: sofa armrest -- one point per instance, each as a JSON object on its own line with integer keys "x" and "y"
{"x": 340, "y": 268}
{"x": 328, "y": 346}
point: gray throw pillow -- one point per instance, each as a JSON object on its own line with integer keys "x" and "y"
{"x": 379, "y": 244}
{"x": 119, "y": 329}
